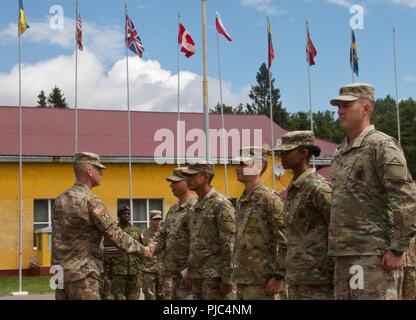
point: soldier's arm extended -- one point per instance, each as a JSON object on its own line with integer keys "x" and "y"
{"x": 99, "y": 213}
{"x": 322, "y": 198}
{"x": 400, "y": 193}
{"x": 226, "y": 228}
{"x": 279, "y": 241}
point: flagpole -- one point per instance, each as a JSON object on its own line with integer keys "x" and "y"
{"x": 397, "y": 90}
{"x": 179, "y": 108}
{"x": 309, "y": 83}
{"x": 225, "y": 143}
{"x": 129, "y": 118}
{"x": 76, "y": 79}
{"x": 205, "y": 80}
{"x": 271, "y": 115}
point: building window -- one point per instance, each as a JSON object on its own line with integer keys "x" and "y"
{"x": 141, "y": 208}
{"x": 42, "y": 216}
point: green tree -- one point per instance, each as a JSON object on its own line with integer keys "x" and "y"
{"x": 42, "y": 100}
{"x": 56, "y": 99}
{"x": 228, "y": 109}
{"x": 260, "y": 96}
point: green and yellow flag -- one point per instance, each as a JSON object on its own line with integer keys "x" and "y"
{"x": 22, "y": 19}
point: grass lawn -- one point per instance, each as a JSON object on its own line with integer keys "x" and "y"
{"x": 30, "y": 284}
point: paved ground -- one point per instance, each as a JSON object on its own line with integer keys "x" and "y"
{"x": 45, "y": 296}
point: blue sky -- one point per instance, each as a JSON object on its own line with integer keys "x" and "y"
{"x": 48, "y": 59}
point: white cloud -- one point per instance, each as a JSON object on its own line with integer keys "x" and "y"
{"x": 409, "y": 78}
{"x": 151, "y": 86}
{"x": 410, "y": 3}
{"x": 342, "y": 3}
{"x": 265, "y": 6}
{"x": 107, "y": 42}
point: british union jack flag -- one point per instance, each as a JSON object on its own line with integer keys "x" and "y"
{"x": 133, "y": 40}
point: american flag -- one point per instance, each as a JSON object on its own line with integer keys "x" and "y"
{"x": 133, "y": 40}
{"x": 79, "y": 33}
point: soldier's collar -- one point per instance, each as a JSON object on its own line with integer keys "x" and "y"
{"x": 201, "y": 202}
{"x": 298, "y": 182}
{"x": 246, "y": 197}
{"x": 356, "y": 143}
{"x": 82, "y": 185}
{"x": 187, "y": 203}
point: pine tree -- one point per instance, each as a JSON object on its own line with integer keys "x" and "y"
{"x": 42, "y": 100}
{"x": 56, "y": 99}
{"x": 260, "y": 95}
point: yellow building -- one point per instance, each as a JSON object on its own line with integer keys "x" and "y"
{"x": 48, "y": 148}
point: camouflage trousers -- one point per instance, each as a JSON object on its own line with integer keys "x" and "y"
{"x": 252, "y": 292}
{"x": 126, "y": 287}
{"x": 207, "y": 289}
{"x": 363, "y": 278}
{"x": 172, "y": 289}
{"x": 152, "y": 287}
{"x": 106, "y": 290}
{"x": 89, "y": 288}
{"x": 409, "y": 283}
{"x": 311, "y": 292}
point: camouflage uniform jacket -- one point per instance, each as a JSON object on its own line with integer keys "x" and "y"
{"x": 173, "y": 238}
{"x": 260, "y": 237}
{"x": 374, "y": 198}
{"x": 307, "y": 211}
{"x": 126, "y": 263}
{"x": 151, "y": 266}
{"x": 79, "y": 222}
{"x": 212, "y": 229}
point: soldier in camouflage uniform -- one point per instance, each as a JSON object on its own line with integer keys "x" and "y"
{"x": 212, "y": 229}
{"x": 409, "y": 273}
{"x": 373, "y": 203}
{"x": 79, "y": 222}
{"x": 151, "y": 270}
{"x": 260, "y": 239}
{"x": 124, "y": 269}
{"x": 309, "y": 270}
{"x": 173, "y": 239}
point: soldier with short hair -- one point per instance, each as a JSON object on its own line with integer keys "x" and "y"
{"x": 173, "y": 240}
{"x": 152, "y": 269}
{"x": 309, "y": 270}
{"x": 79, "y": 222}
{"x": 260, "y": 242}
{"x": 373, "y": 203}
{"x": 212, "y": 229}
{"x": 124, "y": 269}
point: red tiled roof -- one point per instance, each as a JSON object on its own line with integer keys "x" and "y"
{"x": 50, "y": 132}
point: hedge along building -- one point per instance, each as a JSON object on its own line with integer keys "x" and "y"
{"x": 48, "y": 149}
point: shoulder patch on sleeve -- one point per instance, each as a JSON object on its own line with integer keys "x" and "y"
{"x": 100, "y": 212}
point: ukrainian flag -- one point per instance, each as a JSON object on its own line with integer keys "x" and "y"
{"x": 22, "y": 19}
{"x": 354, "y": 54}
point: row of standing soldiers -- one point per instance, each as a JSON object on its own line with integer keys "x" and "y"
{"x": 349, "y": 239}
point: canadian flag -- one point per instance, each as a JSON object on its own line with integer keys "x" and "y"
{"x": 186, "y": 42}
{"x": 220, "y": 27}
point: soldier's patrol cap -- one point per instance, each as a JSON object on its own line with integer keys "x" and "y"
{"x": 155, "y": 214}
{"x": 294, "y": 139}
{"x": 88, "y": 157}
{"x": 248, "y": 154}
{"x": 353, "y": 92}
{"x": 123, "y": 208}
{"x": 200, "y": 167}
{"x": 177, "y": 175}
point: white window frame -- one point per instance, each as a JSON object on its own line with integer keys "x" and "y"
{"x": 49, "y": 222}
{"x": 132, "y": 221}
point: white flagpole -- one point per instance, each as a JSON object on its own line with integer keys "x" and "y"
{"x": 205, "y": 80}
{"x": 271, "y": 114}
{"x": 397, "y": 90}
{"x": 225, "y": 143}
{"x": 178, "y": 145}
{"x": 309, "y": 82}
{"x": 20, "y": 292}
{"x": 129, "y": 119}
{"x": 76, "y": 78}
